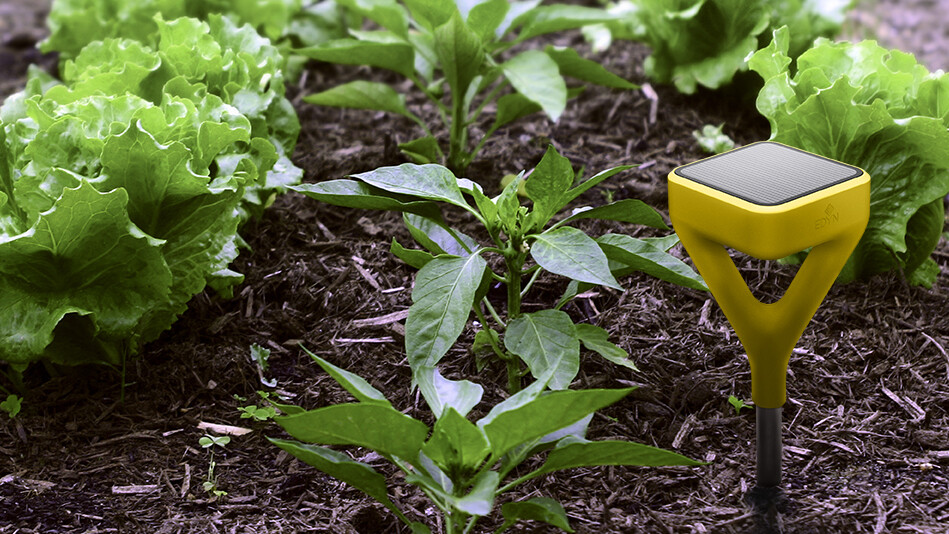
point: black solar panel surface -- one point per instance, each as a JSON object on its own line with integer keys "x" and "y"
{"x": 768, "y": 173}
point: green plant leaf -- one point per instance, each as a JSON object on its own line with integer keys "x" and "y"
{"x": 712, "y": 140}
{"x": 374, "y": 426}
{"x": 540, "y": 509}
{"x": 12, "y": 405}
{"x": 354, "y": 194}
{"x": 536, "y": 76}
{"x": 168, "y": 200}
{"x": 519, "y": 399}
{"x": 592, "y": 453}
{"x": 395, "y": 54}
{"x": 459, "y": 53}
{"x": 547, "y": 186}
{"x": 438, "y": 238}
{"x": 487, "y": 208}
{"x": 431, "y": 182}
{"x": 594, "y": 180}
{"x": 432, "y": 13}
{"x": 356, "y": 385}
{"x": 545, "y": 414}
{"x": 569, "y": 252}
{"x": 442, "y": 298}
{"x": 513, "y": 106}
{"x": 738, "y": 404}
{"x": 628, "y": 210}
{"x": 699, "y": 43}
{"x": 387, "y": 13}
{"x": 341, "y": 467}
{"x": 415, "y": 258}
{"x": 631, "y": 254}
{"x": 854, "y": 102}
{"x": 574, "y": 66}
{"x": 456, "y": 443}
{"x": 480, "y": 500}
{"x": 485, "y": 18}
{"x": 557, "y": 17}
{"x": 361, "y": 95}
{"x": 442, "y": 394}
{"x": 546, "y": 340}
{"x": 92, "y": 263}
{"x": 596, "y": 339}
{"x": 422, "y": 150}
{"x": 922, "y": 235}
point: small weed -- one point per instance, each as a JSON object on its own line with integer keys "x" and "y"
{"x": 12, "y": 405}
{"x": 738, "y": 404}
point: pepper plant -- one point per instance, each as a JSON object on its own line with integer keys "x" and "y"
{"x": 439, "y": 44}
{"x": 454, "y": 276}
{"x": 462, "y": 466}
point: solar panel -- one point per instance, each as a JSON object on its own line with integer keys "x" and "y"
{"x": 767, "y": 173}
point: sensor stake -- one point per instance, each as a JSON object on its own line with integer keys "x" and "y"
{"x": 769, "y": 201}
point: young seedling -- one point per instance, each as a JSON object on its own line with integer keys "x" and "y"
{"x": 12, "y": 405}
{"x": 454, "y": 276}
{"x": 738, "y": 404}
{"x": 209, "y": 442}
{"x": 261, "y": 357}
{"x": 463, "y": 467}
{"x": 460, "y": 46}
{"x": 711, "y": 139}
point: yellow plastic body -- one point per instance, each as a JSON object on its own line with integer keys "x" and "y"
{"x": 831, "y": 221}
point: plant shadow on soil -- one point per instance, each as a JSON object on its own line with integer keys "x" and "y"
{"x": 868, "y": 394}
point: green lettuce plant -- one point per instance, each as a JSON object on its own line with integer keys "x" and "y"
{"x": 884, "y": 112}
{"x": 463, "y": 466}
{"x": 230, "y": 62}
{"x": 454, "y": 53}
{"x": 122, "y": 189}
{"x": 454, "y": 273}
{"x": 706, "y": 42}
{"x": 73, "y": 24}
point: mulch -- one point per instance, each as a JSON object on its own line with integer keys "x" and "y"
{"x": 866, "y": 430}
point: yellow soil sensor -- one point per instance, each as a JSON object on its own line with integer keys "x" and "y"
{"x": 769, "y": 201}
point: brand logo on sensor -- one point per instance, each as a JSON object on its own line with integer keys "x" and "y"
{"x": 831, "y": 215}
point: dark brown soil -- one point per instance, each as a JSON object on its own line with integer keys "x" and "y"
{"x": 866, "y": 424}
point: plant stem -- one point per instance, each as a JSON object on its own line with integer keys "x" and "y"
{"x": 530, "y": 282}
{"x": 514, "y": 261}
{"x": 517, "y": 481}
{"x": 487, "y": 100}
{"x": 458, "y": 159}
{"x": 493, "y": 312}
{"x": 471, "y": 524}
{"x": 510, "y": 360}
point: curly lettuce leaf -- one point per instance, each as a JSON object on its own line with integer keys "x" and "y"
{"x": 217, "y": 65}
{"x": 195, "y": 215}
{"x": 83, "y": 276}
{"x": 698, "y": 42}
{"x": 880, "y": 110}
{"x": 173, "y": 141}
{"x": 75, "y": 23}
{"x": 706, "y": 42}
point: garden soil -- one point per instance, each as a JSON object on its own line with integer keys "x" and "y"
{"x": 866, "y": 424}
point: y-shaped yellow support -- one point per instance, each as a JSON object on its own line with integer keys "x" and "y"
{"x": 712, "y": 209}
